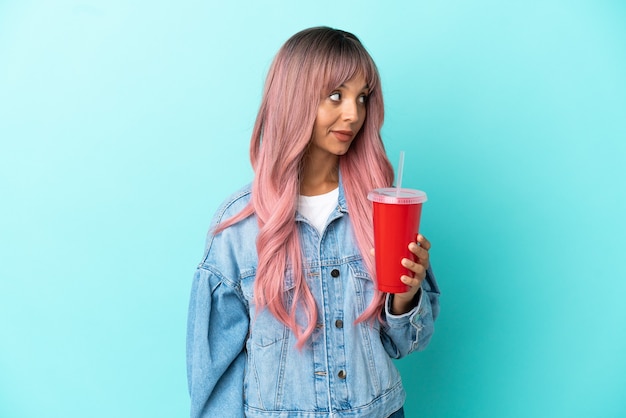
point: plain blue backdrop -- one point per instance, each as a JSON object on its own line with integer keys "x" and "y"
{"x": 123, "y": 124}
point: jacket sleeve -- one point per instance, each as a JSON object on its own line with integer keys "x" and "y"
{"x": 216, "y": 332}
{"x": 412, "y": 331}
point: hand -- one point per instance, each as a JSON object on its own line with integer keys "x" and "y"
{"x": 403, "y": 302}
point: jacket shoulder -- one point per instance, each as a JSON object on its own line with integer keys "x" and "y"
{"x": 232, "y": 251}
{"x": 232, "y": 205}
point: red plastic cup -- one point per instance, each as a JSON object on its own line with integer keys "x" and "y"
{"x": 396, "y": 223}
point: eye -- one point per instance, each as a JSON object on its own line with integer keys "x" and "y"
{"x": 363, "y": 98}
{"x": 335, "y": 97}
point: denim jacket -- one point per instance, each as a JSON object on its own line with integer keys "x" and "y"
{"x": 241, "y": 362}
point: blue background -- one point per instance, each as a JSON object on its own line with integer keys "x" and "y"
{"x": 123, "y": 124}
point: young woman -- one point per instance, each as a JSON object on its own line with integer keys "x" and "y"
{"x": 284, "y": 318}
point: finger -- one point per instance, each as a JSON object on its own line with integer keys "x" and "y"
{"x": 420, "y": 252}
{"x": 418, "y": 269}
{"x": 423, "y": 242}
{"x": 421, "y": 255}
{"x": 411, "y": 281}
{"x": 372, "y": 252}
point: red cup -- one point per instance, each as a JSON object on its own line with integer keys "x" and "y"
{"x": 396, "y": 223}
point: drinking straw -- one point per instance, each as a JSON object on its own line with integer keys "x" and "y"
{"x": 399, "y": 174}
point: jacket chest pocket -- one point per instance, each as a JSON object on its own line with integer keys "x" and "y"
{"x": 265, "y": 329}
{"x": 364, "y": 286}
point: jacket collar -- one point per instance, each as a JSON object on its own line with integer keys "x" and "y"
{"x": 343, "y": 206}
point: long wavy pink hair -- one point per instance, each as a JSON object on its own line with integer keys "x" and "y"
{"x": 308, "y": 67}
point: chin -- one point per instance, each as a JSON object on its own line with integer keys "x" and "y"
{"x": 342, "y": 150}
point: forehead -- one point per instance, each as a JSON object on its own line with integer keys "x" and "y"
{"x": 357, "y": 82}
{"x": 342, "y": 75}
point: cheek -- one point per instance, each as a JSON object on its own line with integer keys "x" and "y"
{"x": 322, "y": 121}
{"x": 362, "y": 115}
{"x": 317, "y": 126}
{"x": 323, "y": 117}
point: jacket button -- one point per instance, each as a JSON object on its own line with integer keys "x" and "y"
{"x": 334, "y": 273}
{"x": 341, "y": 374}
{"x": 339, "y": 323}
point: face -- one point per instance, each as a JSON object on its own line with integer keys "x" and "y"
{"x": 340, "y": 117}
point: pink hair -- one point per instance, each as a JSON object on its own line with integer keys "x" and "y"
{"x": 308, "y": 67}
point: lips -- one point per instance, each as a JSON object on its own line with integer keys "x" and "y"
{"x": 343, "y": 136}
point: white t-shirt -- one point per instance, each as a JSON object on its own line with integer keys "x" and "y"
{"x": 318, "y": 208}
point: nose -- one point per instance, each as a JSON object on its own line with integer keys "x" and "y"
{"x": 350, "y": 111}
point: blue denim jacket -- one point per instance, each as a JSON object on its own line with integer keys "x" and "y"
{"x": 238, "y": 366}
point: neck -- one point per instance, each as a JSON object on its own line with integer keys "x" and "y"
{"x": 319, "y": 175}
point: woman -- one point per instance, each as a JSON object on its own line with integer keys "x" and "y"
{"x": 285, "y": 319}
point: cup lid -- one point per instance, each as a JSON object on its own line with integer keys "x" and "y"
{"x": 397, "y": 196}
